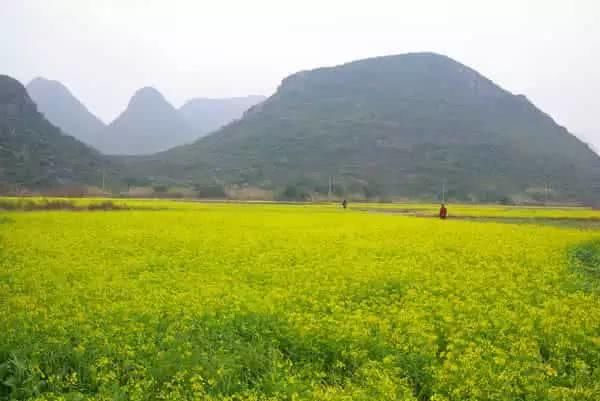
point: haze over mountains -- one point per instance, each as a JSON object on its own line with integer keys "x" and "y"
{"x": 64, "y": 110}
{"x": 382, "y": 127}
{"x": 207, "y": 115}
{"x": 149, "y": 124}
{"x": 35, "y": 153}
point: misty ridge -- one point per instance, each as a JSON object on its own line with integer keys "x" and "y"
{"x": 149, "y": 123}
{"x": 381, "y": 128}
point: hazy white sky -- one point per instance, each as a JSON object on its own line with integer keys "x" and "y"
{"x": 104, "y": 50}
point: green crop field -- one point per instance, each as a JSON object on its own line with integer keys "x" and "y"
{"x": 163, "y": 300}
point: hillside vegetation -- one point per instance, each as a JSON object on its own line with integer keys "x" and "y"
{"x": 34, "y": 153}
{"x": 396, "y": 125}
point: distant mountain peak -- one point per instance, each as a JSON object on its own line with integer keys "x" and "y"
{"x": 149, "y": 124}
{"x": 41, "y": 84}
{"x": 44, "y": 81}
{"x": 147, "y": 91}
{"x": 65, "y": 110}
{"x": 148, "y": 97}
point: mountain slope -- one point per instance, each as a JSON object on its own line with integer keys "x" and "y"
{"x": 395, "y": 125}
{"x": 149, "y": 124}
{"x": 65, "y": 111}
{"x": 591, "y": 140}
{"x": 33, "y": 152}
{"x": 208, "y": 115}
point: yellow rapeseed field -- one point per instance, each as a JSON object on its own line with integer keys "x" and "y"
{"x": 294, "y": 302}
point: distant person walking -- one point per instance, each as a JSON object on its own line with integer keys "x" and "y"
{"x": 344, "y": 203}
{"x": 443, "y": 211}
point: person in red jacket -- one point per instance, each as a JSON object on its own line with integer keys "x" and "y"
{"x": 443, "y": 211}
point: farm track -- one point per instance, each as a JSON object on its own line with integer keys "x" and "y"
{"x": 574, "y": 222}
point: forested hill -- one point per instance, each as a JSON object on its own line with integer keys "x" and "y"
{"x": 394, "y": 125}
{"x": 33, "y": 152}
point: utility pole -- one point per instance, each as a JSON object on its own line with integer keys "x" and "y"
{"x": 329, "y": 190}
{"x": 103, "y": 182}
